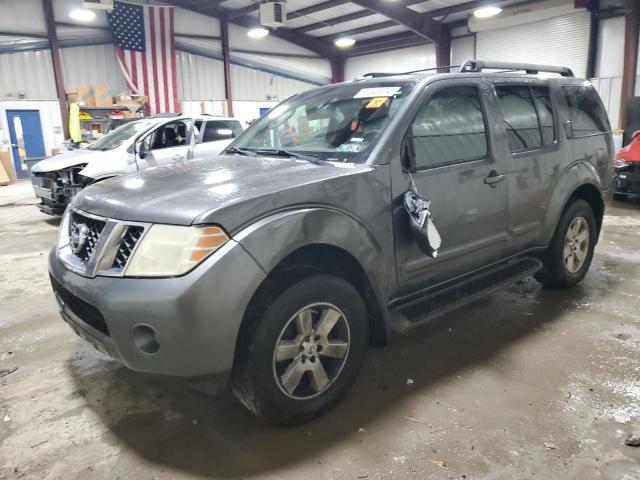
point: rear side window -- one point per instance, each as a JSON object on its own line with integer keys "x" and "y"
{"x": 528, "y": 116}
{"x": 586, "y": 111}
{"x": 520, "y": 117}
{"x": 221, "y": 130}
{"x": 542, "y": 102}
{"x": 450, "y": 128}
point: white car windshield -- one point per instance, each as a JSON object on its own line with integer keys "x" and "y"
{"x": 340, "y": 123}
{"x": 115, "y": 138}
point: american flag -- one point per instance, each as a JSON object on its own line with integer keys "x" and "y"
{"x": 146, "y": 51}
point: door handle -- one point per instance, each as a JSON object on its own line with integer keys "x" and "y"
{"x": 494, "y": 178}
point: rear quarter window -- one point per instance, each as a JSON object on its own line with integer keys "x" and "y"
{"x": 221, "y": 130}
{"x": 586, "y": 111}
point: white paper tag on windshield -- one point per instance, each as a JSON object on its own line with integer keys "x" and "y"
{"x": 377, "y": 92}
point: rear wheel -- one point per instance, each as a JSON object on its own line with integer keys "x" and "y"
{"x": 301, "y": 354}
{"x": 569, "y": 255}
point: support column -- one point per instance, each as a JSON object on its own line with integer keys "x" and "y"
{"x": 594, "y": 33}
{"x": 443, "y": 49}
{"x": 224, "y": 29}
{"x": 57, "y": 65}
{"x": 631, "y": 32}
{"x": 337, "y": 69}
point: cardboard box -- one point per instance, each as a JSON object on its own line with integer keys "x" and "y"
{"x": 82, "y": 94}
{"x": 132, "y": 115}
{"x": 102, "y": 95}
{"x": 6, "y": 160}
{"x": 128, "y": 98}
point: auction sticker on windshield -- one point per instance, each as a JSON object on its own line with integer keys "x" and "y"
{"x": 377, "y": 92}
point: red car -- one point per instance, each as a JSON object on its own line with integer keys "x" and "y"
{"x": 627, "y": 165}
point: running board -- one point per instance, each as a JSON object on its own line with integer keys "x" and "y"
{"x": 418, "y": 311}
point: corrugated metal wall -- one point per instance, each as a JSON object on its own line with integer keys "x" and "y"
{"x": 562, "y": 40}
{"x": 251, "y": 84}
{"x": 199, "y": 78}
{"x": 92, "y": 64}
{"x": 28, "y": 75}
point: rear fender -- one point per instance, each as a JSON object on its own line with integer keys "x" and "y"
{"x": 577, "y": 175}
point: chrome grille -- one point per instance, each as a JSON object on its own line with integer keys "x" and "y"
{"x": 127, "y": 245}
{"x": 94, "y": 229}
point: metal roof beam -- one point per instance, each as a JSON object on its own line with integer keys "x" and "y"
{"x": 322, "y": 48}
{"x": 420, "y": 23}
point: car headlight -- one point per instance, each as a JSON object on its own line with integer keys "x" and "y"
{"x": 170, "y": 250}
{"x": 620, "y": 163}
{"x": 63, "y": 230}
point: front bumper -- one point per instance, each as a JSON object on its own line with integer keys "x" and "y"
{"x": 628, "y": 180}
{"x": 52, "y": 198}
{"x": 195, "y": 317}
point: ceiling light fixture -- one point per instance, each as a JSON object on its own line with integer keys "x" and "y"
{"x": 258, "y": 32}
{"x": 344, "y": 42}
{"x": 486, "y": 12}
{"x": 82, "y": 15}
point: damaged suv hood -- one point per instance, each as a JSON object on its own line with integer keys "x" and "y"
{"x": 228, "y": 190}
{"x": 67, "y": 159}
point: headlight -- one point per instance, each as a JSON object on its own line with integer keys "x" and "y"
{"x": 169, "y": 250}
{"x": 620, "y": 163}
{"x": 63, "y": 231}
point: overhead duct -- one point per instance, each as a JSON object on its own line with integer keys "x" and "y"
{"x": 523, "y": 14}
{"x": 98, "y": 4}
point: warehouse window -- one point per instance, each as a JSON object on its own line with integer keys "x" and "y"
{"x": 221, "y": 130}
{"x": 450, "y": 128}
{"x": 519, "y": 116}
{"x": 586, "y": 111}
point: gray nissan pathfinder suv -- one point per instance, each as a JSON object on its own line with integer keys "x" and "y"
{"x": 345, "y": 213}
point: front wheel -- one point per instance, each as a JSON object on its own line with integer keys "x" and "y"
{"x": 569, "y": 255}
{"x": 300, "y": 355}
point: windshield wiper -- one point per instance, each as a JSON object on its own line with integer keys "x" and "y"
{"x": 241, "y": 151}
{"x": 283, "y": 152}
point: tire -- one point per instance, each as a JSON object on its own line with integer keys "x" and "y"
{"x": 620, "y": 196}
{"x": 558, "y": 273}
{"x": 267, "y": 385}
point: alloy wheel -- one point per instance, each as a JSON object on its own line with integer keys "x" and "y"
{"x": 311, "y": 351}
{"x": 576, "y": 244}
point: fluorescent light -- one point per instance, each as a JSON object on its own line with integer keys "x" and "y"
{"x": 82, "y": 15}
{"x": 486, "y": 12}
{"x": 258, "y": 32}
{"x": 344, "y": 42}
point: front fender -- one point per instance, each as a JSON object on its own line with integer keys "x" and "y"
{"x": 575, "y": 176}
{"x": 273, "y": 238}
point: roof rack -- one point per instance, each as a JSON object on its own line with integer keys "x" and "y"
{"x": 390, "y": 74}
{"x": 532, "y": 68}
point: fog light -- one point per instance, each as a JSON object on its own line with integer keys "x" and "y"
{"x": 144, "y": 338}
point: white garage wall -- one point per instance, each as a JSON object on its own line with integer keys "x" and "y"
{"x": 561, "y": 40}
{"x": 92, "y": 64}
{"x": 27, "y": 75}
{"x": 199, "y": 78}
{"x": 401, "y": 60}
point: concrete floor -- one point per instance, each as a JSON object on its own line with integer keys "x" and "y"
{"x": 526, "y": 383}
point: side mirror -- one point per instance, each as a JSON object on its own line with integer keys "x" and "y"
{"x": 635, "y": 135}
{"x": 142, "y": 151}
{"x": 408, "y": 153}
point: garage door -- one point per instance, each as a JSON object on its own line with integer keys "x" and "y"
{"x": 562, "y": 41}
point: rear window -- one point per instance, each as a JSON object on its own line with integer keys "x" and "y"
{"x": 221, "y": 130}
{"x": 586, "y": 111}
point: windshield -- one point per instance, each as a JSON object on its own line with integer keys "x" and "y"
{"x": 115, "y": 138}
{"x": 336, "y": 124}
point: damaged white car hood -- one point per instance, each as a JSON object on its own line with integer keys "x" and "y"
{"x": 68, "y": 159}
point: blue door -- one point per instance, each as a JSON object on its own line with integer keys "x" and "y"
{"x": 27, "y": 144}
